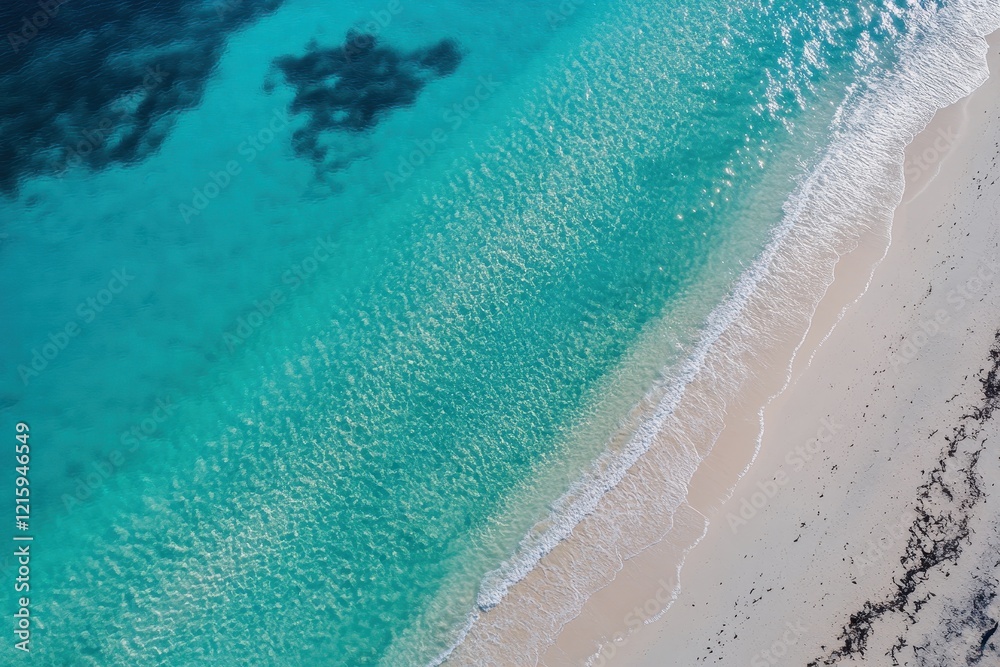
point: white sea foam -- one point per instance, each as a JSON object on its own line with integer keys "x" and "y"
{"x": 851, "y": 191}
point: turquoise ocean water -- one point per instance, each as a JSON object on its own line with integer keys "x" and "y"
{"x": 306, "y": 354}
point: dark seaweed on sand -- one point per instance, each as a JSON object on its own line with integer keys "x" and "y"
{"x": 937, "y": 537}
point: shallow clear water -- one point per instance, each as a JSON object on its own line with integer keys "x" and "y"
{"x": 314, "y": 395}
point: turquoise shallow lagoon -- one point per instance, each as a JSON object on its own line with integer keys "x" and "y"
{"x": 312, "y": 326}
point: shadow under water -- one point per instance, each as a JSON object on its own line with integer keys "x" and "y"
{"x": 349, "y": 88}
{"x": 98, "y": 83}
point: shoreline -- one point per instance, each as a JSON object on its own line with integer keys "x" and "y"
{"x": 609, "y": 612}
{"x": 729, "y": 612}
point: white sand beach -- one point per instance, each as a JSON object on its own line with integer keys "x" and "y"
{"x": 867, "y": 529}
